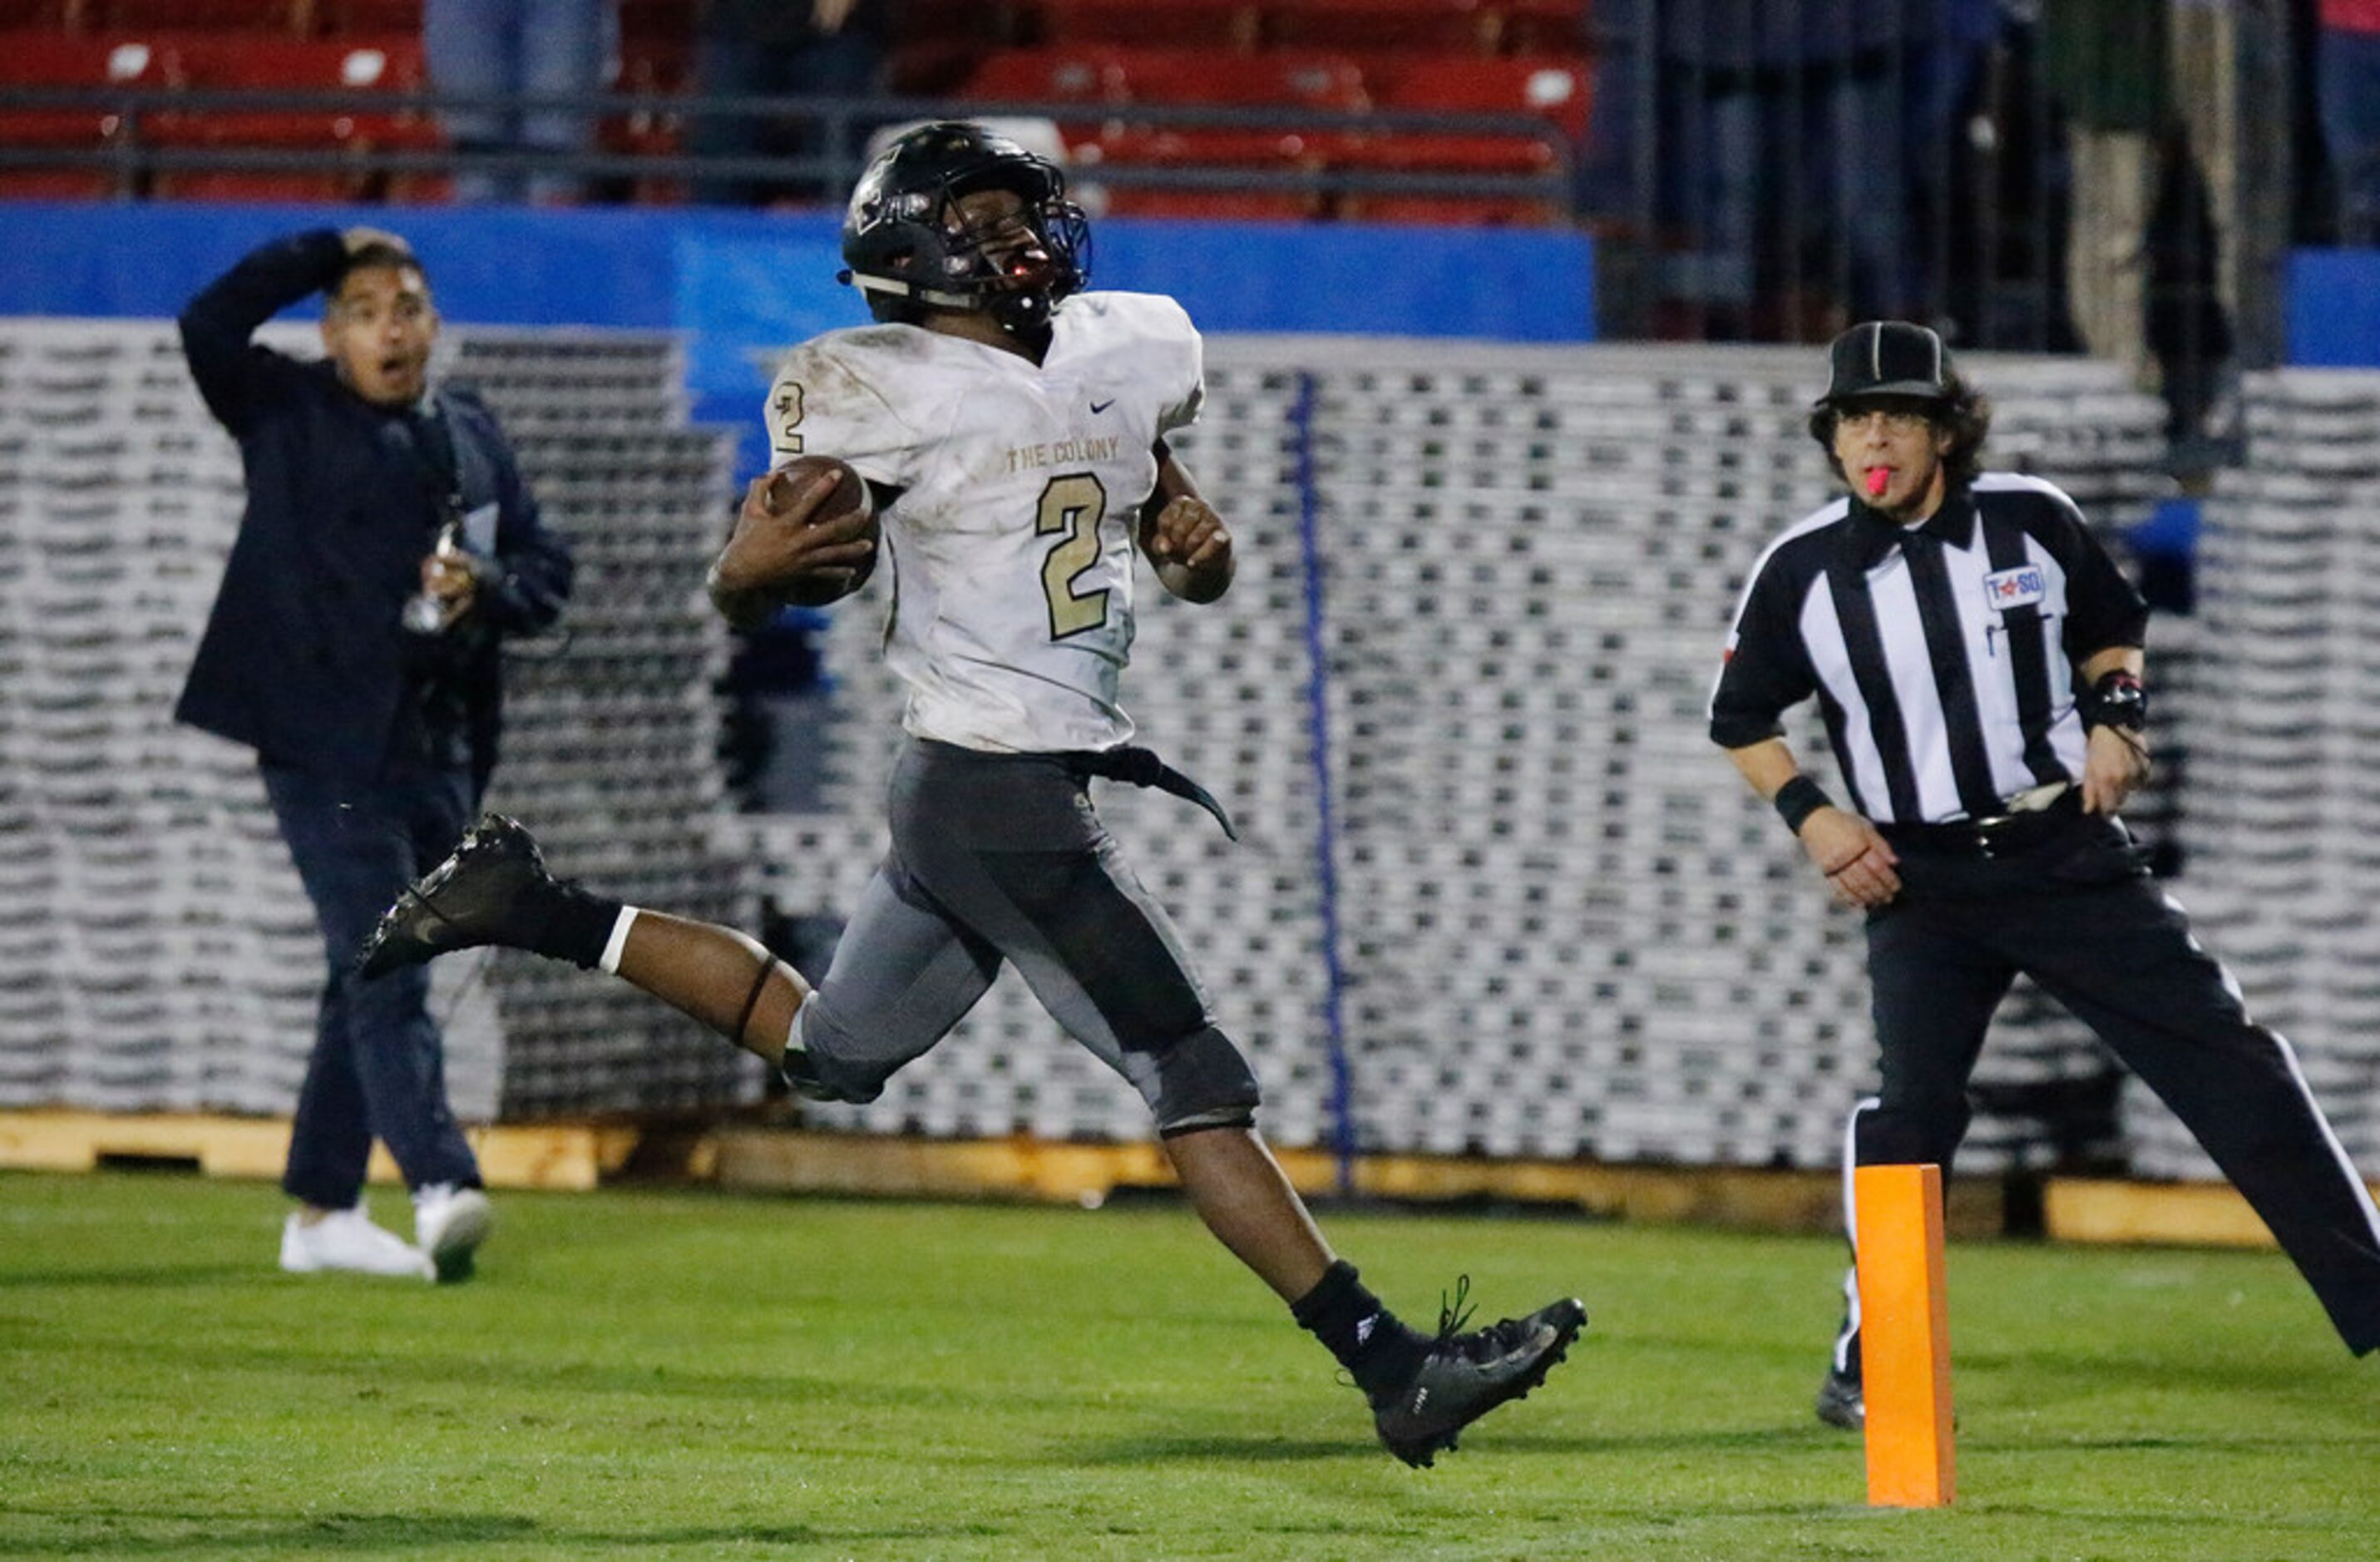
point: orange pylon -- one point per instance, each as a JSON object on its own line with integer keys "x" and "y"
{"x": 1904, "y": 1336}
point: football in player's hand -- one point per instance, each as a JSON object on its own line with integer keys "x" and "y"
{"x": 807, "y": 534}
{"x": 788, "y": 491}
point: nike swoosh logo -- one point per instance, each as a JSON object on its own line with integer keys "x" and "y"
{"x": 1099, "y": 407}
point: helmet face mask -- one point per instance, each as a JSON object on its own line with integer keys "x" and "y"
{"x": 920, "y": 233}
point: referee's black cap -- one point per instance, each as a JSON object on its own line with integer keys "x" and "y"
{"x": 1887, "y": 357}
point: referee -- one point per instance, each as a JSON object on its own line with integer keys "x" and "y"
{"x": 1976, "y": 656}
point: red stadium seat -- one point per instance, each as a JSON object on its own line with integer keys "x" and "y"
{"x": 1079, "y": 74}
{"x": 655, "y": 67}
{"x": 355, "y": 64}
{"x": 662, "y": 21}
{"x": 1482, "y": 27}
{"x": 1211, "y": 205}
{"x": 1554, "y": 87}
{"x": 1541, "y": 27}
{"x": 258, "y": 185}
{"x": 1283, "y": 79}
{"x": 1099, "y": 77}
{"x": 56, "y": 59}
{"x": 57, "y": 184}
{"x": 337, "y": 18}
{"x": 938, "y": 42}
{"x": 1452, "y": 211}
{"x": 1440, "y": 26}
{"x": 1551, "y": 89}
{"x": 30, "y": 16}
{"x": 989, "y": 22}
{"x": 421, "y": 189}
{"x": 1089, "y": 75}
{"x": 352, "y": 64}
{"x": 1163, "y": 24}
{"x": 247, "y": 15}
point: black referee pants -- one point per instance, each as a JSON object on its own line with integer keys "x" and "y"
{"x": 2079, "y": 918}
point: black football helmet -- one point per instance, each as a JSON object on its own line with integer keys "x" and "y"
{"x": 906, "y": 244}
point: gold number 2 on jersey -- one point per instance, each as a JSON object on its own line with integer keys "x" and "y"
{"x": 1070, "y": 508}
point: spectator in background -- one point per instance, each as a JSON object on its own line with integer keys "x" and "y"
{"x": 2107, "y": 62}
{"x": 2189, "y": 326}
{"x": 2348, "y": 91}
{"x": 1788, "y": 158}
{"x": 796, "y": 49}
{"x": 1712, "y": 140}
{"x": 375, "y": 730}
{"x": 2144, "y": 265}
{"x": 530, "y": 48}
{"x": 1947, "y": 111}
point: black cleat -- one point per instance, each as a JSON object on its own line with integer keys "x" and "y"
{"x": 1843, "y": 1401}
{"x": 1463, "y": 1376}
{"x": 469, "y": 899}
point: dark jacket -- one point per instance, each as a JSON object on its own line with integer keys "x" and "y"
{"x": 1770, "y": 35}
{"x": 304, "y": 658}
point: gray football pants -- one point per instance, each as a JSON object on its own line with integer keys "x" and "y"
{"x": 1001, "y": 856}
{"x": 2104, "y": 940}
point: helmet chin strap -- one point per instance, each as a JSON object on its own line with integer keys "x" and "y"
{"x": 1010, "y": 311}
{"x": 1015, "y": 313}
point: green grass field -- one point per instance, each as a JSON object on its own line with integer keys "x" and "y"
{"x": 686, "y": 1374}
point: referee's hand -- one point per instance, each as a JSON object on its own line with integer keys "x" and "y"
{"x": 1858, "y": 861}
{"x": 2114, "y": 766}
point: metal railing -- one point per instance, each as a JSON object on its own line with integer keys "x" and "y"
{"x": 1982, "y": 235}
{"x": 152, "y": 134}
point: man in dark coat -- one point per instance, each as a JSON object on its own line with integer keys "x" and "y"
{"x": 388, "y": 545}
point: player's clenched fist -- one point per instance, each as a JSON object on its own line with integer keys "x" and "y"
{"x": 1191, "y": 548}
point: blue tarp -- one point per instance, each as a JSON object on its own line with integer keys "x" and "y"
{"x": 2333, "y": 307}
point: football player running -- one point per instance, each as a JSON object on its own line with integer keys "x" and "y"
{"x": 1011, "y": 429}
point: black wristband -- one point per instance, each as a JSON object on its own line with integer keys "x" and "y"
{"x": 2117, "y": 700}
{"x": 1798, "y": 799}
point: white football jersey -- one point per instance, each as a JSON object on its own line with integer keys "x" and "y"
{"x": 1013, "y": 538}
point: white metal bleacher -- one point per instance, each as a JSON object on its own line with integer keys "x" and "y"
{"x": 1563, "y": 928}
{"x": 155, "y": 949}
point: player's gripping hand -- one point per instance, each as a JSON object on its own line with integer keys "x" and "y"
{"x": 1191, "y": 548}
{"x": 807, "y": 535}
{"x": 1858, "y": 861}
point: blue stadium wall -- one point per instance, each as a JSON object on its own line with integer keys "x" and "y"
{"x": 2333, "y": 309}
{"x": 743, "y": 284}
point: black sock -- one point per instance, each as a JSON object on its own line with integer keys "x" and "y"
{"x": 1377, "y": 1349}
{"x": 564, "y": 923}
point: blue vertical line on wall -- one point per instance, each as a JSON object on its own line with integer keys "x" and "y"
{"x": 1326, "y": 840}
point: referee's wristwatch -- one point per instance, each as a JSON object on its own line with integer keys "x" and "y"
{"x": 2118, "y": 701}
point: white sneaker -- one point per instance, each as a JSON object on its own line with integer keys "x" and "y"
{"x": 347, "y": 1239}
{"x": 449, "y": 1224}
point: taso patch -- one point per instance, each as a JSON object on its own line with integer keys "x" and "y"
{"x": 2023, "y": 587}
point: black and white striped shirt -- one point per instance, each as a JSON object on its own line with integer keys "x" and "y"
{"x": 1942, "y": 656}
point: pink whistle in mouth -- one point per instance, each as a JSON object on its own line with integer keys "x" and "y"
{"x": 1877, "y": 479}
